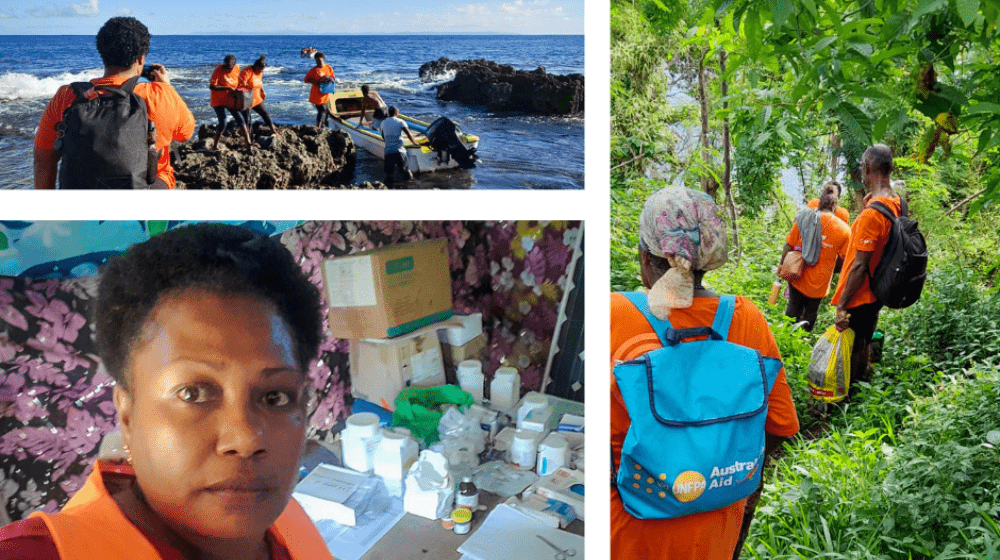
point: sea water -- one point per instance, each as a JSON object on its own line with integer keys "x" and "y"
{"x": 517, "y": 150}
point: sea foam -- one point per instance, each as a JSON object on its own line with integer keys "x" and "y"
{"x": 18, "y": 85}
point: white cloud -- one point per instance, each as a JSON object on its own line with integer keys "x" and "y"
{"x": 124, "y": 12}
{"x": 88, "y": 9}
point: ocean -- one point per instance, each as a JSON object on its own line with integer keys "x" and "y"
{"x": 518, "y": 151}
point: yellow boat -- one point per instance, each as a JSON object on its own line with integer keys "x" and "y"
{"x": 440, "y": 145}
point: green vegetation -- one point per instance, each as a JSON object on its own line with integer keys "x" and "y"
{"x": 911, "y": 468}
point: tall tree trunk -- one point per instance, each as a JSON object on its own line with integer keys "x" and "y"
{"x": 707, "y": 183}
{"x": 727, "y": 170}
{"x": 834, "y": 155}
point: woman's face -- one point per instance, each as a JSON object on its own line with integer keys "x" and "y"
{"x": 215, "y": 419}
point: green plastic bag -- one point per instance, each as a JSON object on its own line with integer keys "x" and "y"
{"x": 420, "y": 409}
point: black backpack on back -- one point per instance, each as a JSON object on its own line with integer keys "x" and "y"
{"x": 106, "y": 141}
{"x": 900, "y": 274}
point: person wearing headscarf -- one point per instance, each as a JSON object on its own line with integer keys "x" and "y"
{"x": 682, "y": 235}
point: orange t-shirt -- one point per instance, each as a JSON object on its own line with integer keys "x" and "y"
{"x": 315, "y": 97}
{"x": 225, "y": 78}
{"x": 869, "y": 232}
{"x": 710, "y": 535}
{"x": 164, "y": 107}
{"x": 838, "y": 210}
{"x": 250, "y": 80}
{"x": 815, "y": 279}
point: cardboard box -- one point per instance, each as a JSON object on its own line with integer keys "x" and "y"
{"x": 381, "y": 368}
{"x": 389, "y": 291}
{"x": 454, "y": 355}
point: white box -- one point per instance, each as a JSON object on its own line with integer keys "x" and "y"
{"x": 458, "y": 335}
{"x": 324, "y": 492}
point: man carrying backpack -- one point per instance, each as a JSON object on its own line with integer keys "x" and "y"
{"x": 115, "y": 131}
{"x": 881, "y": 232}
{"x": 663, "y": 506}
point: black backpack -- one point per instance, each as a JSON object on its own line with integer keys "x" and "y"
{"x": 106, "y": 141}
{"x": 900, "y": 274}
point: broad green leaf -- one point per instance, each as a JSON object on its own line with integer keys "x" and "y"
{"x": 925, "y": 7}
{"x": 782, "y": 129}
{"x": 982, "y": 108}
{"x": 855, "y": 121}
{"x": 984, "y": 140}
{"x": 883, "y": 55}
{"x": 780, "y": 10}
{"x": 879, "y": 129}
{"x": 811, "y": 7}
{"x": 751, "y": 27}
{"x": 993, "y": 436}
{"x": 967, "y": 9}
{"x": 805, "y": 84}
{"x": 822, "y": 44}
{"x": 760, "y": 139}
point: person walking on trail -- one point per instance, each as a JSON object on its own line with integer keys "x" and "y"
{"x": 807, "y": 291}
{"x": 857, "y": 306}
{"x": 838, "y": 210}
{"x": 322, "y": 78}
{"x": 682, "y": 235}
{"x": 252, "y": 79}
{"x": 392, "y": 130}
{"x": 224, "y": 83}
{"x": 123, "y": 43}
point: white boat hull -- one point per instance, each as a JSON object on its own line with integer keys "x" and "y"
{"x": 419, "y": 158}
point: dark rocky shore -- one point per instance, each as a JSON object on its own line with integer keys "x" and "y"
{"x": 297, "y": 157}
{"x": 502, "y": 88}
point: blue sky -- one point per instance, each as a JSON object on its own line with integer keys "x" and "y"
{"x": 239, "y": 17}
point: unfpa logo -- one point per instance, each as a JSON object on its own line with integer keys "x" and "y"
{"x": 688, "y": 486}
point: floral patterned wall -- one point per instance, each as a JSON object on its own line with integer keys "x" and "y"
{"x": 55, "y": 398}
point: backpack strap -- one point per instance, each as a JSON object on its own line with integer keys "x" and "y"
{"x": 724, "y": 315}
{"x": 81, "y": 88}
{"x": 641, "y": 302}
{"x": 886, "y": 211}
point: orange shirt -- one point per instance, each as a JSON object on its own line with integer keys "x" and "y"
{"x": 315, "y": 97}
{"x": 838, "y": 210}
{"x": 869, "y": 232}
{"x": 815, "y": 280}
{"x": 164, "y": 107}
{"x": 710, "y": 535}
{"x": 226, "y": 78}
{"x": 251, "y": 80}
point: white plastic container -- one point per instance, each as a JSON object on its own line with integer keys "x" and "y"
{"x": 359, "y": 439}
{"x": 471, "y": 378}
{"x": 505, "y": 389}
{"x": 531, "y": 401}
{"x": 392, "y": 459}
{"x": 552, "y": 454}
{"x": 523, "y": 449}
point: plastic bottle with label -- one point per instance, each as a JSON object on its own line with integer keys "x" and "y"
{"x": 471, "y": 378}
{"x": 505, "y": 389}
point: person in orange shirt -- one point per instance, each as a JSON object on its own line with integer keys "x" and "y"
{"x": 223, "y": 84}
{"x": 682, "y": 236}
{"x": 857, "y": 306}
{"x": 838, "y": 210}
{"x": 208, "y": 331}
{"x": 123, "y": 43}
{"x": 807, "y": 291}
{"x": 252, "y": 79}
{"x": 322, "y": 73}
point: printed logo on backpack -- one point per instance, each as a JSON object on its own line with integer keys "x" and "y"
{"x": 697, "y": 411}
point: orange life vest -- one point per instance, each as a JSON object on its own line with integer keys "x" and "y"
{"x": 92, "y": 527}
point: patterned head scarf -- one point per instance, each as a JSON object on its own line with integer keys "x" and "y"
{"x": 685, "y": 227}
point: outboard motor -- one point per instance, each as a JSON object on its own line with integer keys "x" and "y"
{"x": 445, "y": 137}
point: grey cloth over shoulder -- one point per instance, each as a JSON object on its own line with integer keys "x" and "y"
{"x": 811, "y": 230}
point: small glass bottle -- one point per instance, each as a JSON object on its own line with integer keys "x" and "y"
{"x": 468, "y": 494}
{"x": 775, "y": 290}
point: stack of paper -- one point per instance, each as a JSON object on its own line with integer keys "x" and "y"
{"x": 507, "y": 533}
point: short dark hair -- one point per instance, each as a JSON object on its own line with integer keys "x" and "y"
{"x": 122, "y": 41}
{"x": 880, "y": 158}
{"x": 260, "y": 63}
{"x": 393, "y": 111}
{"x": 318, "y": 54}
{"x": 229, "y": 57}
{"x": 219, "y": 258}
{"x": 365, "y": 89}
{"x": 833, "y": 185}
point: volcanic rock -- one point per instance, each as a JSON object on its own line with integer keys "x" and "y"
{"x": 297, "y": 157}
{"x": 502, "y": 88}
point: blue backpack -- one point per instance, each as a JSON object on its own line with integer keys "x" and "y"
{"x": 696, "y": 441}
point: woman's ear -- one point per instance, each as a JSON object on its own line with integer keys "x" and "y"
{"x": 123, "y": 402}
